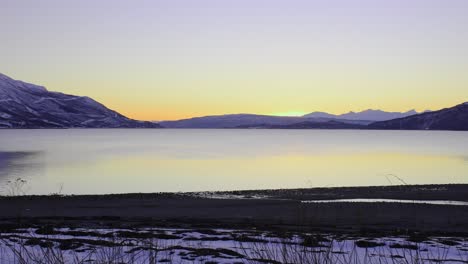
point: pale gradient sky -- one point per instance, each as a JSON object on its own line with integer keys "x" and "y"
{"x": 156, "y": 60}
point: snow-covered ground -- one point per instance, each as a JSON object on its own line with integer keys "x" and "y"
{"x": 172, "y": 245}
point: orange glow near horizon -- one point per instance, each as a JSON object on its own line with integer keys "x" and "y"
{"x": 166, "y": 60}
{"x": 168, "y": 113}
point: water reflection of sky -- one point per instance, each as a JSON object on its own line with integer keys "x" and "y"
{"x": 436, "y": 202}
{"x": 116, "y": 161}
{"x": 17, "y": 164}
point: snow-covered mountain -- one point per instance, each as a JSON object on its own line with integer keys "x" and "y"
{"x": 370, "y": 114}
{"x": 24, "y": 105}
{"x": 453, "y": 118}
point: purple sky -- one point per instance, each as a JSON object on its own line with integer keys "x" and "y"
{"x": 172, "y": 59}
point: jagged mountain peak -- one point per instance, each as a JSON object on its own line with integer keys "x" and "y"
{"x": 368, "y": 114}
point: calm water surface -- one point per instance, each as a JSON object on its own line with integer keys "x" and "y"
{"x": 151, "y": 160}
{"x": 436, "y": 202}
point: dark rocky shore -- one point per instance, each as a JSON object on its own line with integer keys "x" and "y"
{"x": 263, "y": 226}
{"x": 265, "y": 209}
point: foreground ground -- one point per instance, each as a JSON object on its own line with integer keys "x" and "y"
{"x": 275, "y": 226}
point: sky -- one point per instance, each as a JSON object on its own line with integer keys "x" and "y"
{"x": 162, "y": 60}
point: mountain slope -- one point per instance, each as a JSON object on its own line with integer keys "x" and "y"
{"x": 318, "y": 114}
{"x": 247, "y": 121}
{"x": 228, "y": 121}
{"x": 24, "y": 105}
{"x": 377, "y": 115}
{"x": 454, "y": 118}
{"x": 373, "y": 115}
{"x": 331, "y": 124}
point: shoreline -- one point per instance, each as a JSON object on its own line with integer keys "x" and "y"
{"x": 263, "y": 226}
{"x": 268, "y": 209}
{"x": 454, "y": 191}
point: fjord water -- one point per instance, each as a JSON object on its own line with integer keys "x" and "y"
{"x": 98, "y": 161}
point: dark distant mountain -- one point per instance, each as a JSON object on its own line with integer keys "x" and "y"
{"x": 229, "y": 121}
{"x": 454, "y": 118}
{"x": 372, "y": 115}
{"x": 377, "y": 115}
{"x": 24, "y": 105}
{"x": 312, "y": 120}
{"x": 320, "y": 115}
{"x": 248, "y": 121}
{"x": 331, "y": 124}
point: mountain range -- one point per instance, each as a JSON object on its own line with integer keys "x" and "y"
{"x": 312, "y": 120}
{"x": 453, "y": 118}
{"x": 25, "y": 105}
{"x": 250, "y": 121}
{"x": 370, "y": 114}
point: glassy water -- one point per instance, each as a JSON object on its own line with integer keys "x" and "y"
{"x": 99, "y": 161}
{"x": 436, "y": 202}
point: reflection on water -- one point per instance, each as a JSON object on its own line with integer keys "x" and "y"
{"x": 13, "y": 166}
{"x": 16, "y": 162}
{"x": 389, "y": 201}
{"x": 148, "y": 160}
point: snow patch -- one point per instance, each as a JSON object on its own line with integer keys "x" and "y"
{"x": 87, "y": 121}
{"x": 32, "y": 111}
{"x": 5, "y": 124}
{"x": 75, "y": 98}
{"x": 228, "y": 248}
{"x": 47, "y": 98}
{"x": 5, "y": 115}
{"x": 51, "y": 122}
